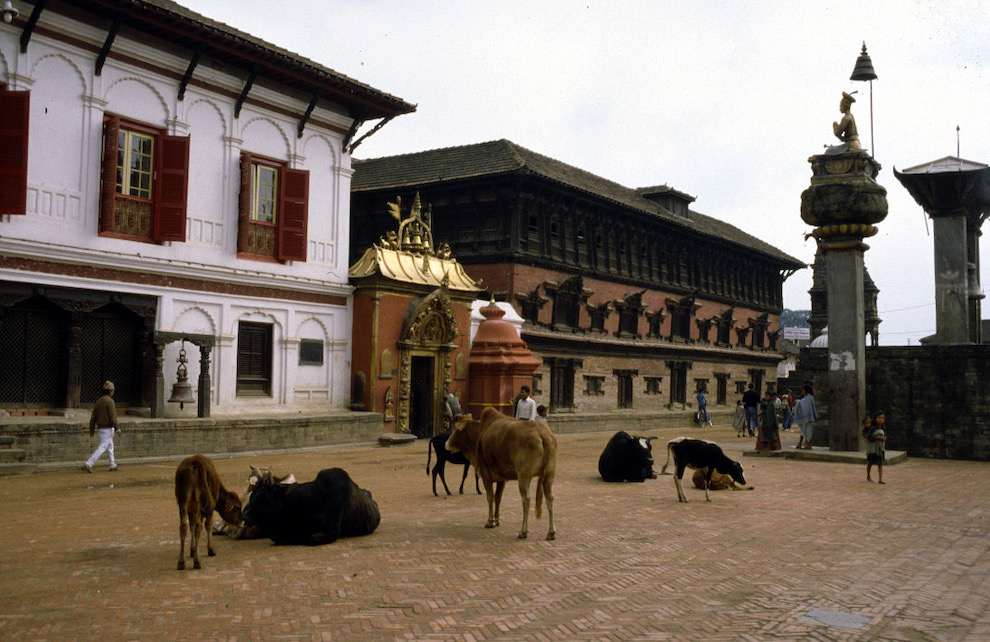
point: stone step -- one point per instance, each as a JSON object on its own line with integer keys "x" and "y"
{"x": 21, "y": 468}
{"x": 6, "y": 441}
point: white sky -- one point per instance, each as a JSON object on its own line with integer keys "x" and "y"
{"x": 724, "y": 100}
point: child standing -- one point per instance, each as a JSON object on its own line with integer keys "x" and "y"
{"x": 876, "y": 446}
{"x": 739, "y": 419}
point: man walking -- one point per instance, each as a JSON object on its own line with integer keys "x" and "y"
{"x": 751, "y": 401}
{"x": 103, "y": 421}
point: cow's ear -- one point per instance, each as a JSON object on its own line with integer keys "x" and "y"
{"x": 288, "y": 481}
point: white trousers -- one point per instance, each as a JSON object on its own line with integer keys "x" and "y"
{"x": 106, "y": 445}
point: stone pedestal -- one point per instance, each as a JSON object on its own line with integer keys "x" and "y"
{"x": 951, "y": 280}
{"x": 843, "y": 202}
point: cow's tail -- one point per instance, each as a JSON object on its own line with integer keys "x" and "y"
{"x": 663, "y": 471}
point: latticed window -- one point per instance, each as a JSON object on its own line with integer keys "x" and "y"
{"x": 145, "y": 178}
{"x": 264, "y": 193}
{"x": 135, "y": 166}
{"x": 254, "y": 359}
{"x": 273, "y": 210}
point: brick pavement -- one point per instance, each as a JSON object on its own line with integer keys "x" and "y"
{"x": 814, "y": 552}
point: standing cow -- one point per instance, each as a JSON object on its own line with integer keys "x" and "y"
{"x": 198, "y": 492}
{"x": 697, "y": 454}
{"x": 627, "y": 459}
{"x": 312, "y": 513}
{"x": 502, "y": 448}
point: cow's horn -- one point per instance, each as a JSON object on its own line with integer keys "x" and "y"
{"x": 257, "y": 473}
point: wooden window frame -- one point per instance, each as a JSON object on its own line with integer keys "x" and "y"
{"x": 291, "y": 215}
{"x": 169, "y": 186}
{"x": 254, "y": 359}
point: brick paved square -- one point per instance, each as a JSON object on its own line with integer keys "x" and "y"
{"x": 814, "y": 552}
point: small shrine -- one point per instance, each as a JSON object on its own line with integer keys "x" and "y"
{"x": 412, "y": 318}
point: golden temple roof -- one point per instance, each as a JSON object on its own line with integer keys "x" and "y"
{"x": 407, "y": 267}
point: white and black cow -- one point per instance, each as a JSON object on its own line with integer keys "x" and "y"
{"x": 312, "y": 513}
{"x": 698, "y": 453}
{"x": 627, "y": 458}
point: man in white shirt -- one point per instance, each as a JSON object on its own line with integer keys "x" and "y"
{"x": 525, "y": 406}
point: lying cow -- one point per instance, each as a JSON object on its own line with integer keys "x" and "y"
{"x": 243, "y": 531}
{"x": 443, "y": 457}
{"x": 627, "y": 459}
{"x": 718, "y": 481}
{"x": 313, "y": 513}
{"x": 198, "y": 492}
{"x": 502, "y": 448}
{"x": 696, "y": 454}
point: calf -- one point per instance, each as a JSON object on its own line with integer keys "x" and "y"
{"x": 443, "y": 457}
{"x": 627, "y": 458}
{"x": 718, "y": 481}
{"x": 312, "y": 513}
{"x": 243, "y": 531}
{"x": 502, "y": 448}
{"x": 697, "y": 453}
{"x": 198, "y": 492}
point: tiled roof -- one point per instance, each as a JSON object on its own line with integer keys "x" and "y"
{"x": 505, "y": 157}
{"x": 186, "y": 28}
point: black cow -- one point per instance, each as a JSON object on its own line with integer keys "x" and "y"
{"x": 698, "y": 453}
{"x": 443, "y": 457}
{"x": 627, "y": 458}
{"x": 313, "y": 513}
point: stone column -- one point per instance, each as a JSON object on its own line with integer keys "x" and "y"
{"x": 205, "y": 382}
{"x": 951, "y": 279}
{"x": 844, "y": 201}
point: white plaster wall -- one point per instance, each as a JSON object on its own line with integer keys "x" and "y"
{"x": 68, "y": 102}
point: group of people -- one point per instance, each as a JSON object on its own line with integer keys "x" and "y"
{"x": 523, "y": 407}
{"x": 765, "y": 418}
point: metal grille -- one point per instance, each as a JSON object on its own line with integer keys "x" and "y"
{"x": 109, "y": 352}
{"x": 30, "y": 351}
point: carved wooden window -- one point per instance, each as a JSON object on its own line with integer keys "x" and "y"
{"x": 565, "y": 309}
{"x": 678, "y": 381}
{"x": 740, "y": 387}
{"x": 562, "y": 373}
{"x": 582, "y": 247}
{"x": 594, "y": 386}
{"x": 598, "y": 314}
{"x": 680, "y": 323}
{"x": 624, "y": 387}
{"x": 254, "y": 359}
{"x": 145, "y": 179}
{"x": 273, "y": 210}
{"x": 653, "y": 385}
{"x": 721, "y": 388}
{"x": 725, "y": 328}
{"x": 15, "y": 108}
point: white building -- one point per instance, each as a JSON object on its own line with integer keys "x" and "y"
{"x": 163, "y": 176}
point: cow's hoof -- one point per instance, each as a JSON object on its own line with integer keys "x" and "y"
{"x": 523, "y": 535}
{"x": 211, "y": 553}
{"x": 491, "y": 524}
{"x": 181, "y": 566}
{"x": 551, "y": 536}
{"x": 196, "y": 564}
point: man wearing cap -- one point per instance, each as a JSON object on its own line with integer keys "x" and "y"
{"x": 845, "y": 129}
{"x": 103, "y": 421}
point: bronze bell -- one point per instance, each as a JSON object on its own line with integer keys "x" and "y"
{"x": 182, "y": 392}
{"x": 864, "y": 67}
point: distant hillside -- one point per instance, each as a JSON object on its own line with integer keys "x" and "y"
{"x": 794, "y": 318}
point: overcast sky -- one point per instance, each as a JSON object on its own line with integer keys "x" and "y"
{"x": 722, "y": 100}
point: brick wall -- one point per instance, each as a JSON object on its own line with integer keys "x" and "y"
{"x": 936, "y": 398}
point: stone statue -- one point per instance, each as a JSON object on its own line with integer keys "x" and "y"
{"x": 845, "y": 129}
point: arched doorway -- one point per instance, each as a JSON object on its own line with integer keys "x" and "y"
{"x": 428, "y": 336}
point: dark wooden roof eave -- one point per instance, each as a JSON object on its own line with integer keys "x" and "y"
{"x": 181, "y": 27}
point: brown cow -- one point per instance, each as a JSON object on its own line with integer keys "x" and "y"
{"x": 199, "y": 492}
{"x": 501, "y": 448}
{"x": 718, "y": 481}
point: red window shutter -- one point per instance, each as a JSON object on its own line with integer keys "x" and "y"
{"x": 244, "y": 203}
{"x": 108, "y": 186}
{"x": 171, "y": 187}
{"x": 293, "y": 215}
{"x": 15, "y": 110}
